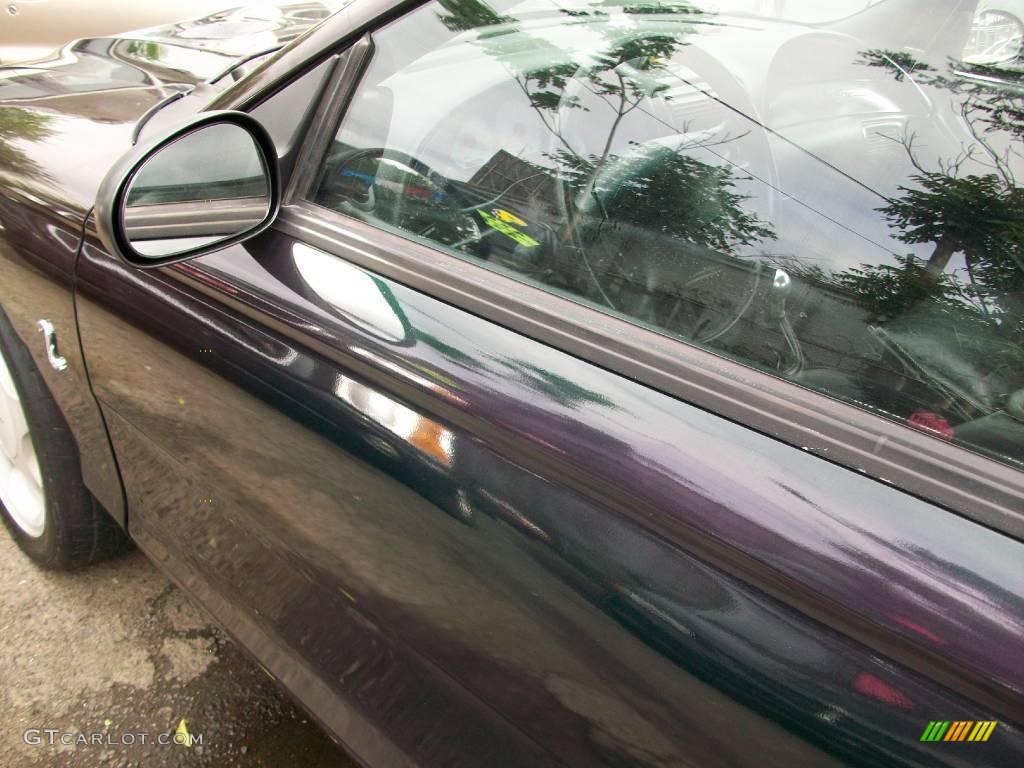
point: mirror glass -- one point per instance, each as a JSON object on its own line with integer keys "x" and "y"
{"x": 208, "y": 186}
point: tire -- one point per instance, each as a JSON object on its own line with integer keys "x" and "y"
{"x": 44, "y": 503}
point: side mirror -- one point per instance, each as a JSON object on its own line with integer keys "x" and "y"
{"x": 209, "y": 184}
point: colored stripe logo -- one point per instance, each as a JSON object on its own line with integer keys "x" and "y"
{"x": 959, "y": 730}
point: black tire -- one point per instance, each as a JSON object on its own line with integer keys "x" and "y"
{"x": 77, "y": 530}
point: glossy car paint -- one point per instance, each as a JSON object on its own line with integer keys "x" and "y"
{"x": 32, "y": 29}
{"x": 608, "y": 623}
{"x": 48, "y": 184}
{"x": 553, "y": 565}
{"x": 46, "y": 189}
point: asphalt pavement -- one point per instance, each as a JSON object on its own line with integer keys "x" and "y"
{"x": 116, "y": 651}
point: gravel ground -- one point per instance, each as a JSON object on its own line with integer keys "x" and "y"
{"x": 117, "y": 649}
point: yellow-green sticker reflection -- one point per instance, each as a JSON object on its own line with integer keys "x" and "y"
{"x": 503, "y": 221}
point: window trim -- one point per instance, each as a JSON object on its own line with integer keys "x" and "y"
{"x": 967, "y": 483}
{"x": 334, "y": 100}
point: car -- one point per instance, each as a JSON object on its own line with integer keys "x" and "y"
{"x": 593, "y": 383}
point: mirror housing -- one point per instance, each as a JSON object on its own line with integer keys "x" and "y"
{"x": 190, "y": 192}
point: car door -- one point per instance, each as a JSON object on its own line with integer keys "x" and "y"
{"x": 470, "y": 507}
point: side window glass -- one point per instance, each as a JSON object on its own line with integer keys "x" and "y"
{"x": 823, "y": 206}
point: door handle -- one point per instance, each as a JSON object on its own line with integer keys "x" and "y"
{"x": 57, "y": 362}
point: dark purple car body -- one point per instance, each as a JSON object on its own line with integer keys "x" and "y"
{"x": 628, "y": 551}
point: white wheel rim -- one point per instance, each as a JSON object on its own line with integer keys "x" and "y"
{"x": 21, "y": 483}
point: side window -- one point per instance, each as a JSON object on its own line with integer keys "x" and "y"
{"x": 796, "y": 202}
{"x": 282, "y": 114}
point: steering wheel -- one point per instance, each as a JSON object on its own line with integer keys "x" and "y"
{"x": 627, "y": 246}
{"x": 638, "y": 265}
{"x": 394, "y": 188}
